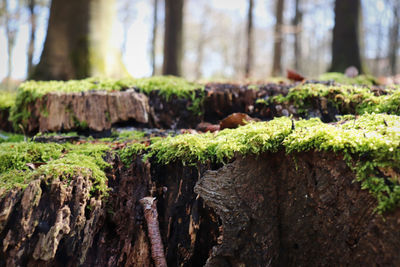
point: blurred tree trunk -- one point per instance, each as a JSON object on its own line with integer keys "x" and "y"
{"x": 32, "y": 35}
{"x": 298, "y": 15}
{"x": 154, "y": 38}
{"x": 278, "y": 36}
{"x": 173, "y": 37}
{"x": 78, "y": 42}
{"x": 394, "y": 37}
{"x": 345, "y": 44}
{"x": 250, "y": 45}
{"x": 200, "y": 45}
{"x": 11, "y": 27}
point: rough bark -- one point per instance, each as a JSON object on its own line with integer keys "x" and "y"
{"x": 278, "y": 38}
{"x": 96, "y": 111}
{"x": 61, "y": 224}
{"x": 79, "y": 47}
{"x": 272, "y": 210}
{"x": 250, "y": 42}
{"x": 173, "y": 37}
{"x": 345, "y": 43}
{"x": 297, "y": 210}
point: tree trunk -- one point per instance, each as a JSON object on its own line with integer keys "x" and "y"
{"x": 154, "y": 38}
{"x": 277, "y": 67}
{"x": 173, "y": 37}
{"x": 32, "y": 38}
{"x": 345, "y": 44}
{"x": 200, "y": 44}
{"x": 11, "y": 28}
{"x": 249, "y": 53}
{"x": 79, "y": 47}
{"x": 297, "y": 36}
{"x": 394, "y": 38}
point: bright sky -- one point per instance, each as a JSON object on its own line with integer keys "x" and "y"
{"x": 137, "y": 58}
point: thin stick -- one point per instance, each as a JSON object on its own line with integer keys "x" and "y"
{"x": 151, "y": 215}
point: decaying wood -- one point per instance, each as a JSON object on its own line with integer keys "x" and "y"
{"x": 151, "y": 215}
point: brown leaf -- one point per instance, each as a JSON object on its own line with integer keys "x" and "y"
{"x": 294, "y": 76}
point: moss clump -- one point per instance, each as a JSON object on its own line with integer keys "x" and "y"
{"x": 126, "y": 135}
{"x": 343, "y": 79}
{"x": 253, "y": 138}
{"x": 370, "y": 145}
{"x": 18, "y": 161}
{"x": 11, "y": 137}
{"x": 347, "y": 99}
{"x": 166, "y": 86}
{"x": 127, "y": 153}
{"x": 7, "y": 99}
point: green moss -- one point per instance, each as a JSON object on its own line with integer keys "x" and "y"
{"x": 126, "y": 135}
{"x": 347, "y": 99}
{"x": 127, "y": 153}
{"x": 369, "y": 144}
{"x": 52, "y": 160}
{"x": 343, "y": 79}
{"x": 11, "y": 137}
{"x": 7, "y": 99}
{"x": 166, "y": 86}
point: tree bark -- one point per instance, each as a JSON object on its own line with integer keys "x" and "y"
{"x": 32, "y": 38}
{"x": 250, "y": 45}
{"x": 173, "y": 37}
{"x": 345, "y": 44}
{"x": 154, "y": 38}
{"x": 11, "y": 28}
{"x": 277, "y": 67}
{"x": 79, "y": 47}
{"x": 297, "y": 36}
{"x": 394, "y": 37}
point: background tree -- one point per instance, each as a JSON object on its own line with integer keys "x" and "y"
{"x": 33, "y": 6}
{"x": 127, "y": 14}
{"x": 249, "y": 51}
{"x": 11, "y": 16}
{"x": 78, "y": 41}
{"x": 173, "y": 37}
{"x": 278, "y": 38}
{"x": 298, "y": 15}
{"x": 394, "y": 35}
{"x": 154, "y": 37}
{"x": 345, "y": 43}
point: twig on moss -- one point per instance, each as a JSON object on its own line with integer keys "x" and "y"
{"x": 151, "y": 215}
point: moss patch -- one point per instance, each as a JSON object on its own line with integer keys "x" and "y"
{"x": 7, "y": 99}
{"x": 11, "y": 137}
{"x": 347, "y": 99}
{"x": 22, "y": 162}
{"x": 343, "y": 79}
{"x": 370, "y": 146}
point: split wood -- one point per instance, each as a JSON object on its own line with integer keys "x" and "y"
{"x": 151, "y": 215}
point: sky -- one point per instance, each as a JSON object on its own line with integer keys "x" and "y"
{"x": 136, "y": 56}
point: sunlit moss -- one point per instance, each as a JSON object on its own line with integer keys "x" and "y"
{"x": 348, "y": 99}
{"x": 343, "y": 79}
{"x": 22, "y": 162}
{"x": 127, "y": 153}
{"x": 7, "y": 99}
{"x": 369, "y": 143}
{"x": 11, "y": 137}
